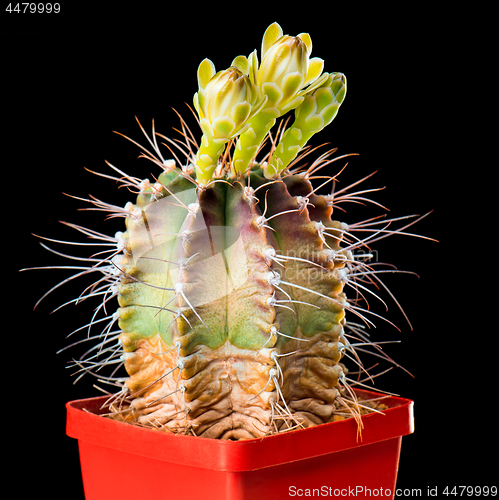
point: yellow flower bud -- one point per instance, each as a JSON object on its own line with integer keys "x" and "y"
{"x": 286, "y": 68}
{"x": 285, "y": 76}
{"x": 225, "y": 104}
{"x": 283, "y": 70}
{"x": 289, "y": 55}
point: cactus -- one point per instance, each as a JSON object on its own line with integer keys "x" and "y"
{"x": 231, "y": 271}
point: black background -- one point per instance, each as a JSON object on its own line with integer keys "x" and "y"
{"x": 74, "y": 78}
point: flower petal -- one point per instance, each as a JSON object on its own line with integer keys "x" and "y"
{"x": 206, "y": 70}
{"x": 240, "y": 112}
{"x": 223, "y": 126}
{"x": 291, "y": 84}
{"x": 291, "y": 105}
{"x": 202, "y": 104}
{"x": 195, "y": 101}
{"x": 271, "y": 35}
{"x": 242, "y": 64}
{"x": 307, "y": 40}
{"x": 322, "y": 80}
{"x": 253, "y": 66}
{"x": 272, "y": 91}
{"x": 315, "y": 68}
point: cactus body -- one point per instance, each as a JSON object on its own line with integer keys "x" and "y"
{"x": 230, "y": 273}
{"x": 239, "y": 331}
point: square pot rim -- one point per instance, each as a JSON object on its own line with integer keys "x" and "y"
{"x": 244, "y": 455}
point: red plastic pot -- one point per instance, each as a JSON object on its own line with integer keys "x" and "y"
{"x": 121, "y": 461}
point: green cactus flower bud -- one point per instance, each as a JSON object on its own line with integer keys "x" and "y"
{"x": 317, "y": 110}
{"x": 224, "y": 102}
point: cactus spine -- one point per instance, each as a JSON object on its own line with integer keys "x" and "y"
{"x": 230, "y": 274}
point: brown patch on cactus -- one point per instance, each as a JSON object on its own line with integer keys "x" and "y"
{"x": 225, "y": 393}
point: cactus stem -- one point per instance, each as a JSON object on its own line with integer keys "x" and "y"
{"x": 261, "y": 220}
{"x": 271, "y": 336}
{"x": 274, "y": 279}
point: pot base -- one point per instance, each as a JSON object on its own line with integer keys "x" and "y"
{"x": 120, "y": 460}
